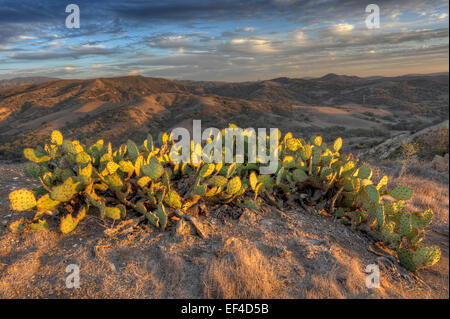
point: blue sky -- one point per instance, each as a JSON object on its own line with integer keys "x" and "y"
{"x": 222, "y": 40}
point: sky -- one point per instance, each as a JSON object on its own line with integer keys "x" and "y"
{"x": 225, "y": 40}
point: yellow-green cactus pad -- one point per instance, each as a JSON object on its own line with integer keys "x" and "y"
{"x": 426, "y": 256}
{"x": 143, "y": 181}
{"x": 337, "y": 145}
{"x": 126, "y": 166}
{"x": 57, "y": 137}
{"x": 63, "y": 192}
{"x": 206, "y": 170}
{"x": 112, "y": 167}
{"x": 30, "y": 155}
{"x": 46, "y": 203}
{"x": 293, "y": 144}
{"x": 173, "y": 200}
{"x": 234, "y": 185}
{"x": 67, "y": 224}
{"x": 22, "y": 199}
{"x": 113, "y": 212}
{"x": 218, "y": 181}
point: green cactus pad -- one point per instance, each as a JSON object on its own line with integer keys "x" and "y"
{"x": 39, "y": 225}
{"x": 351, "y": 184}
{"x": 373, "y": 194}
{"x": 132, "y": 150}
{"x": 364, "y": 172}
{"x": 401, "y": 193}
{"x": 405, "y": 224}
{"x": 114, "y": 182}
{"x": 422, "y": 219}
{"x": 406, "y": 259}
{"x": 153, "y": 169}
{"x": 218, "y": 181}
{"x": 162, "y": 216}
{"x": 380, "y": 216}
{"x": 201, "y": 189}
{"x": 299, "y": 175}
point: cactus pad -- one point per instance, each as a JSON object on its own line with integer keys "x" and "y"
{"x": 57, "y": 137}
{"x": 401, "y": 193}
{"x": 218, "y": 181}
{"x": 22, "y": 199}
{"x": 426, "y": 256}
{"x": 153, "y": 169}
{"x": 234, "y": 185}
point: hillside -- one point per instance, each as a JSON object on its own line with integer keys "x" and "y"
{"x": 120, "y": 108}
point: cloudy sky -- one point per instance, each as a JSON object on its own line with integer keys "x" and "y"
{"x": 227, "y": 40}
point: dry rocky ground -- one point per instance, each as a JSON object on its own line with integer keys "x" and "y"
{"x": 272, "y": 253}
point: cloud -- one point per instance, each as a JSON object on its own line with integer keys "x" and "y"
{"x": 298, "y": 36}
{"x": 207, "y": 39}
{"x": 26, "y": 37}
{"x": 135, "y": 72}
{"x": 249, "y": 46}
{"x": 343, "y": 28}
{"x": 168, "y": 41}
{"x": 245, "y": 29}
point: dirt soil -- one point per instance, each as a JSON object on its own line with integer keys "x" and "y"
{"x": 271, "y": 253}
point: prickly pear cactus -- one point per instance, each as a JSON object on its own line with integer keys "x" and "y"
{"x": 144, "y": 179}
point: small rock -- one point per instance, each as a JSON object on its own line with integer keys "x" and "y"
{"x": 440, "y": 163}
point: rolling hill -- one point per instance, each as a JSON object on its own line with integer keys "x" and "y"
{"x": 130, "y": 107}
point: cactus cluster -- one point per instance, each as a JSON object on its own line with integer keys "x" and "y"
{"x": 142, "y": 178}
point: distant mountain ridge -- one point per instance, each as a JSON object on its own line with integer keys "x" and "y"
{"x": 14, "y": 82}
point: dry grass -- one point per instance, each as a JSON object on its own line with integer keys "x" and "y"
{"x": 428, "y": 194}
{"x": 244, "y": 273}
